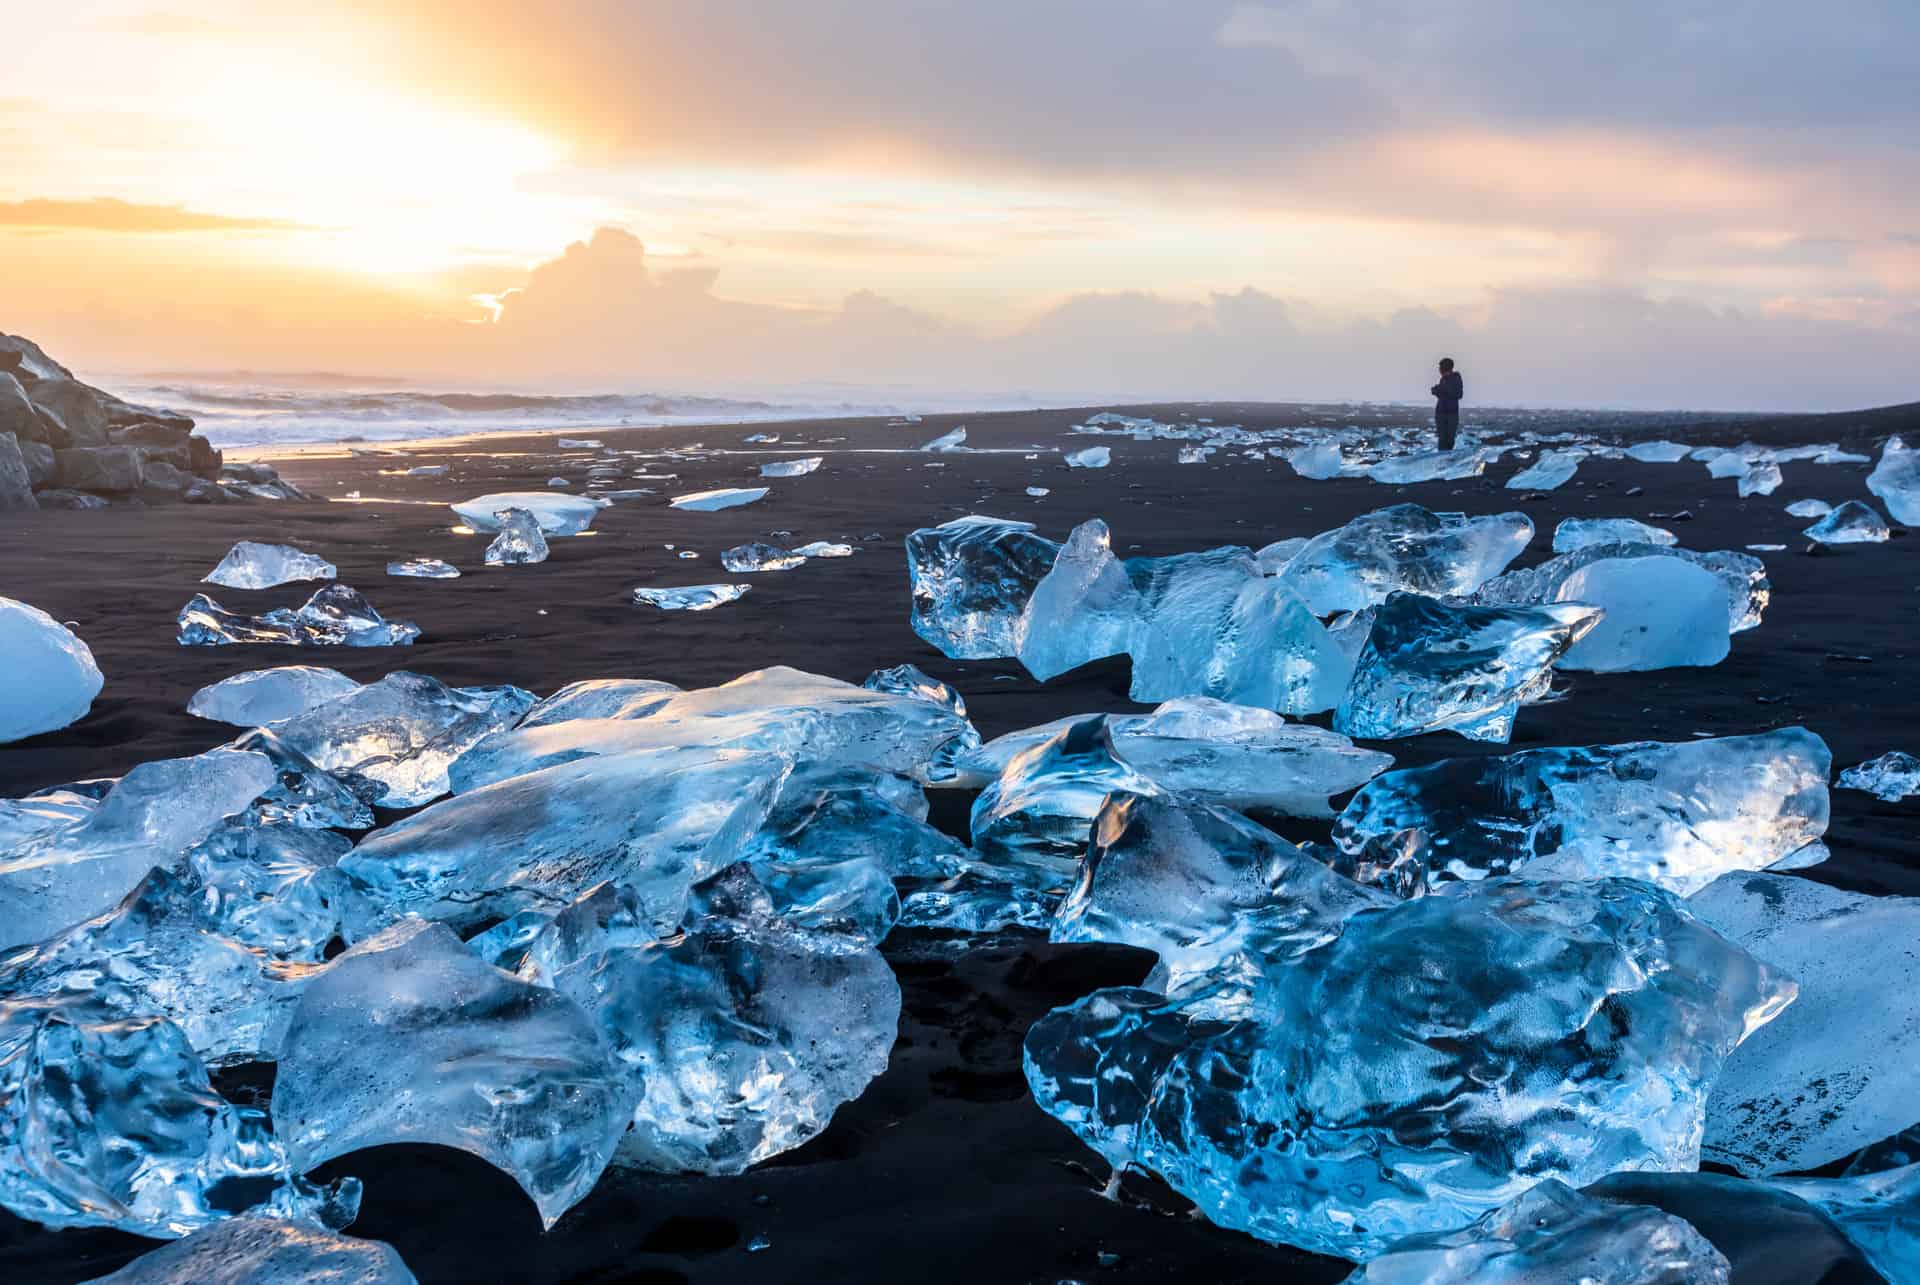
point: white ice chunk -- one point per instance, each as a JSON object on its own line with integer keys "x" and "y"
{"x": 792, "y": 468}
{"x": 731, "y": 497}
{"x": 694, "y": 597}
{"x": 251, "y": 565}
{"x": 1580, "y": 533}
{"x": 1661, "y": 613}
{"x": 1091, "y": 457}
{"x": 51, "y": 678}
{"x": 1896, "y": 480}
{"x": 261, "y": 696}
{"x": 1854, "y": 522}
{"x": 556, "y": 514}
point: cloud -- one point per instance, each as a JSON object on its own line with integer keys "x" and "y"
{"x": 105, "y": 214}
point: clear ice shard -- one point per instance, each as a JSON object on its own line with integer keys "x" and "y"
{"x": 252, "y": 565}
{"x": 760, "y": 556}
{"x": 272, "y": 888}
{"x": 1878, "y": 1211}
{"x": 149, "y": 818}
{"x": 1039, "y": 811}
{"x": 411, "y": 1037}
{"x": 519, "y": 541}
{"x": 1675, "y": 814}
{"x": 1659, "y": 452}
{"x": 1553, "y": 470}
{"x": 1748, "y": 589}
{"x": 1840, "y": 1070}
{"x": 971, "y": 579}
{"x": 402, "y": 733}
{"x": 599, "y": 698}
{"x": 695, "y": 597}
{"x": 1317, "y": 462}
{"x": 1430, "y": 666}
{"x": 111, "y": 1121}
{"x": 1896, "y": 480}
{"x": 792, "y": 468}
{"x": 740, "y": 1036}
{"x": 256, "y": 1250}
{"x": 51, "y": 675}
{"x": 1578, "y": 533}
{"x": 556, "y": 514}
{"x": 1893, "y": 776}
{"x": 1084, "y": 609}
{"x": 424, "y": 569}
{"x": 1434, "y": 1060}
{"x": 336, "y": 616}
{"x": 1430, "y": 466}
{"x": 1404, "y": 547}
{"x": 305, "y": 795}
{"x": 1854, "y": 522}
{"x": 1660, "y": 613}
{"x": 1761, "y": 479}
{"x": 1554, "y": 1234}
{"x": 656, "y": 820}
{"x": 1809, "y": 509}
{"x": 1091, "y": 457}
{"x": 952, "y": 440}
{"x": 824, "y": 549}
{"x": 261, "y": 696}
{"x": 725, "y": 498}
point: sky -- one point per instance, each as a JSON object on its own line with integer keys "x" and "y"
{"x": 1650, "y": 203}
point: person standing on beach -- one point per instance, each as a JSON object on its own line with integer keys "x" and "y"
{"x": 1446, "y": 406}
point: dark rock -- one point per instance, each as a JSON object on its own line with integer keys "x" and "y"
{"x": 122, "y": 414}
{"x": 201, "y": 491}
{"x": 162, "y": 480}
{"x": 53, "y": 429}
{"x": 62, "y": 499}
{"x": 98, "y": 468}
{"x": 78, "y": 407}
{"x": 17, "y": 415}
{"x": 28, "y": 360}
{"x": 16, "y": 488}
{"x": 40, "y": 467}
{"x": 149, "y": 432}
{"x": 179, "y": 457}
{"x": 204, "y": 457}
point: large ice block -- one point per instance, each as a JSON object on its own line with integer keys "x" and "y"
{"x": 1660, "y": 613}
{"x": 519, "y": 542}
{"x": 1084, "y": 609}
{"x": 1091, "y": 457}
{"x": 971, "y": 579}
{"x": 556, "y": 514}
{"x": 1878, "y": 1211}
{"x": 1430, "y": 466}
{"x": 257, "y": 697}
{"x": 51, "y": 675}
{"x": 1762, "y": 479}
{"x": 951, "y": 440}
{"x": 336, "y": 616}
{"x": 252, "y": 565}
{"x": 1852, "y": 523}
{"x": 256, "y": 1250}
{"x": 1748, "y": 589}
{"x": 1893, "y": 776}
{"x": 1317, "y": 462}
{"x": 1896, "y": 480}
{"x": 1403, "y": 547}
{"x": 1578, "y": 533}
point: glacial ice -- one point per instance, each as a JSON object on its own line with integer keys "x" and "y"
{"x": 1854, "y": 522}
{"x": 1659, "y": 613}
{"x": 1896, "y": 480}
{"x": 1578, "y": 533}
{"x": 1554, "y": 1235}
{"x": 251, "y": 565}
{"x": 1674, "y": 814}
{"x": 1091, "y": 457}
{"x": 1430, "y": 466}
{"x": 971, "y": 578}
{"x": 256, "y": 1250}
{"x": 51, "y": 675}
{"x": 272, "y": 888}
{"x": 336, "y": 616}
{"x": 696, "y": 597}
{"x": 1658, "y": 452}
{"x": 1878, "y": 1211}
{"x": 792, "y": 468}
{"x": 1840, "y": 1070}
{"x": 1748, "y": 589}
{"x": 1084, "y": 609}
{"x": 759, "y": 556}
{"x": 1193, "y": 455}
{"x": 911, "y": 680}
{"x": 304, "y": 795}
{"x": 1809, "y": 509}
{"x": 1356, "y": 566}
{"x": 556, "y": 514}
{"x": 952, "y": 440}
{"x": 1432, "y": 1061}
{"x": 1893, "y": 776}
{"x": 1318, "y": 462}
{"x": 599, "y": 698}
{"x": 411, "y": 1037}
{"x": 1761, "y": 479}
{"x": 824, "y": 549}
{"x": 519, "y": 541}
{"x": 1039, "y": 811}
{"x": 257, "y": 697}
{"x": 1553, "y": 470}
{"x": 731, "y": 497}
{"x": 424, "y": 569}
{"x": 1430, "y": 666}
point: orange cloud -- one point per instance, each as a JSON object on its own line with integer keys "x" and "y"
{"x": 105, "y": 214}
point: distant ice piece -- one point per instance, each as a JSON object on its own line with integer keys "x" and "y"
{"x": 952, "y": 440}
{"x": 1553, "y": 1233}
{"x": 51, "y": 677}
{"x": 1356, "y": 566}
{"x": 696, "y": 597}
{"x": 1675, "y": 814}
{"x": 1430, "y": 466}
{"x": 251, "y": 565}
{"x": 1317, "y": 462}
{"x": 1896, "y": 480}
{"x": 256, "y": 1250}
{"x": 1893, "y": 776}
{"x": 1039, "y": 492}
{"x": 1091, "y": 457}
{"x": 424, "y": 569}
{"x": 519, "y": 542}
{"x": 559, "y": 481}
{"x": 1854, "y": 522}
{"x": 1658, "y": 452}
{"x": 1748, "y": 588}
{"x": 1761, "y": 479}
{"x": 1193, "y": 455}
{"x": 579, "y": 443}
{"x": 411, "y": 1037}
{"x": 556, "y": 514}
{"x": 792, "y": 468}
{"x": 1580, "y": 533}
{"x": 1429, "y": 666}
{"x": 1660, "y": 613}
{"x": 1809, "y": 509}
{"x": 760, "y": 557}
{"x": 1553, "y": 470}
{"x": 336, "y": 616}
{"x": 824, "y": 549}
{"x": 726, "y": 498}
{"x": 971, "y": 579}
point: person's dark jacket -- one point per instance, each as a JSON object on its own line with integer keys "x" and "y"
{"x": 1449, "y": 391}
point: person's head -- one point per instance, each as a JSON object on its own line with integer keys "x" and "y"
{"x": 1446, "y": 365}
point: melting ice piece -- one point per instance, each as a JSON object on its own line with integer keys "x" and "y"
{"x": 1675, "y": 814}
{"x": 1748, "y": 589}
{"x": 111, "y": 1121}
{"x": 953, "y": 440}
{"x": 656, "y": 820}
{"x": 1878, "y": 1211}
{"x": 51, "y": 675}
{"x": 272, "y": 888}
{"x": 556, "y": 514}
{"x": 261, "y": 696}
{"x": 824, "y": 549}
{"x": 1040, "y": 810}
{"x": 1318, "y": 462}
{"x": 424, "y": 569}
{"x": 1840, "y": 1070}
{"x": 1082, "y": 610}
{"x": 1553, "y": 470}
{"x": 740, "y": 1037}
{"x": 1403, "y": 547}
{"x": 1091, "y": 457}
{"x": 271, "y": 1251}
{"x": 792, "y": 468}
{"x": 304, "y": 794}
{"x": 1039, "y": 492}
{"x": 251, "y": 565}
{"x": 1893, "y": 776}
{"x": 1428, "y": 666}
{"x": 1854, "y": 522}
{"x": 411, "y": 1037}
{"x": 1554, "y": 1233}
{"x": 725, "y": 498}
{"x": 1761, "y": 479}
{"x": 336, "y": 616}
{"x": 760, "y": 557}
{"x": 911, "y": 680}
{"x": 600, "y": 698}
{"x": 1579, "y": 533}
{"x": 519, "y": 541}
{"x": 1809, "y": 509}
{"x": 971, "y": 579}
{"x": 1430, "y": 466}
{"x": 695, "y": 597}
{"x": 1896, "y": 480}
{"x": 1660, "y": 613}
{"x": 1658, "y": 452}
{"x": 1434, "y": 1060}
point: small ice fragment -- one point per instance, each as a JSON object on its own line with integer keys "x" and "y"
{"x": 1193, "y": 454}
{"x": 261, "y": 696}
{"x": 792, "y": 468}
{"x": 699, "y": 597}
{"x": 950, "y": 441}
{"x": 1318, "y": 462}
{"x": 1579, "y": 533}
{"x": 1893, "y": 776}
{"x": 1765, "y": 548}
{"x": 1761, "y": 479}
{"x": 336, "y": 616}
{"x": 557, "y": 514}
{"x": 250, "y": 565}
{"x": 1809, "y": 509}
{"x": 1550, "y": 472}
{"x": 687, "y": 555}
{"x": 725, "y": 498}
{"x": 428, "y": 470}
{"x": 1430, "y": 466}
{"x": 761, "y": 557}
{"x": 579, "y": 443}
{"x": 424, "y": 569}
{"x": 558, "y": 481}
{"x": 1039, "y": 492}
{"x": 1658, "y": 452}
{"x": 824, "y": 549}
{"x": 1854, "y": 522}
{"x": 761, "y": 438}
{"x": 519, "y": 542}
{"x": 51, "y": 677}
{"x": 1092, "y": 457}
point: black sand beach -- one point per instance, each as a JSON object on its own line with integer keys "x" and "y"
{"x": 943, "y": 1170}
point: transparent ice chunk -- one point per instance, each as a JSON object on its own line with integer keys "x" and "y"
{"x": 556, "y": 514}
{"x": 519, "y": 541}
{"x": 51, "y": 675}
{"x": 1659, "y": 613}
{"x": 424, "y": 569}
{"x": 336, "y": 616}
{"x": 971, "y": 579}
{"x": 1404, "y": 547}
{"x": 1893, "y": 776}
{"x": 1091, "y": 457}
{"x": 1748, "y": 589}
{"x": 724, "y": 498}
{"x": 252, "y": 565}
{"x": 1553, "y": 470}
{"x": 792, "y": 468}
{"x": 1852, "y": 523}
{"x": 261, "y": 696}
{"x": 697, "y": 597}
{"x": 254, "y": 1250}
{"x": 1896, "y": 480}
{"x": 1579, "y": 533}
{"x": 759, "y": 556}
